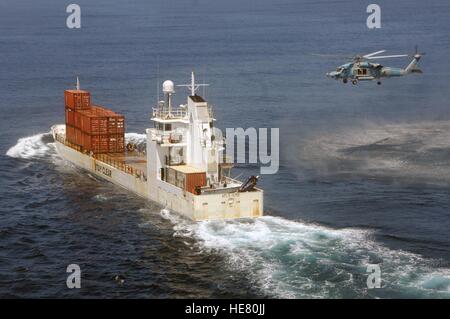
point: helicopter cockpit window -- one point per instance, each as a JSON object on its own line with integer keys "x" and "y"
{"x": 339, "y": 70}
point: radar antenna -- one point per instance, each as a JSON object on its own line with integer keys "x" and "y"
{"x": 193, "y": 86}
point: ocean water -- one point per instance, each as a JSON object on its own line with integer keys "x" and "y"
{"x": 364, "y": 170}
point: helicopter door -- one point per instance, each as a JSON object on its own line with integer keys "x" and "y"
{"x": 361, "y": 72}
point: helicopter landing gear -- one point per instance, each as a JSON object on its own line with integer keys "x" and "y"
{"x": 379, "y": 82}
{"x": 344, "y": 81}
{"x": 354, "y": 82}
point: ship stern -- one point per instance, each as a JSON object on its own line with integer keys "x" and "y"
{"x": 229, "y": 205}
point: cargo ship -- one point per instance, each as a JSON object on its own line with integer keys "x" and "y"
{"x": 184, "y": 167}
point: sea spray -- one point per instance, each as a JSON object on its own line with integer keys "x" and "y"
{"x": 41, "y": 145}
{"x": 34, "y": 146}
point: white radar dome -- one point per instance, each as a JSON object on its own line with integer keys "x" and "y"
{"x": 168, "y": 87}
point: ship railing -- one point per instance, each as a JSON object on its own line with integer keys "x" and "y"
{"x": 164, "y": 113}
{"x": 107, "y": 159}
{"x": 120, "y": 165}
{"x": 232, "y": 180}
{"x": 63, "y": 140}
{"x": 178, "y": 113}
{"x": 60, "y": 139}
{"x": 170, "y": 137}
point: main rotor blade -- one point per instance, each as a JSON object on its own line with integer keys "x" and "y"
{"x": 373, "y": 53}
{"x": 337, "y": 56}
{"x": 386, "y": 56}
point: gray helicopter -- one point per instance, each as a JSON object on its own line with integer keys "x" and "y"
{"x": 361, "y": 69}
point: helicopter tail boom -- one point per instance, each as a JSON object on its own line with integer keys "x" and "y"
{"x": 412, "y": 66}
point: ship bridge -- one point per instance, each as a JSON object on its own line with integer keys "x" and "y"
{"x": 184, "y": 136}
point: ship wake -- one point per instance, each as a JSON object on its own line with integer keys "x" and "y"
{"x": 291, "y": 259}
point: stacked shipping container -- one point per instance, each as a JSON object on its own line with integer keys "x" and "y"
{"x": 93, "y": 127}
{"x": 185, "y": 177}
{"x": 77, "y": 99}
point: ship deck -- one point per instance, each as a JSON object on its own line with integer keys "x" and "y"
{"x": 133, "y": 162}
{"x": 134, "y": 159}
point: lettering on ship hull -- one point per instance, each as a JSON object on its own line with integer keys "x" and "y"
{"x": 101, "y": 169}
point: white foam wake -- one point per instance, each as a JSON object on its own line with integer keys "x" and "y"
{"x": 34, "y": 146}
{"x": 41, "y": 145}
{"x": 291, "y": 259}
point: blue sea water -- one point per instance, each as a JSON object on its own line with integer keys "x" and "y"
{"x": 364, "y": 170}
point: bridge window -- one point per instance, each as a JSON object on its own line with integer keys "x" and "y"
{"x": 163, "y": 127}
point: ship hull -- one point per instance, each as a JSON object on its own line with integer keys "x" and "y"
{"x": 195, "y": 207}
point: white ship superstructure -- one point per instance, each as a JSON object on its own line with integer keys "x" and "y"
{"x": 183, "y": 167}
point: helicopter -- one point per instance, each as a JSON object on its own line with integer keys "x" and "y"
{"x": 361, "y": 69}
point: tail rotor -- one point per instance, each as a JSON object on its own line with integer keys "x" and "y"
{"x": 412, "y": 67}
{"x": 417, "y": 54}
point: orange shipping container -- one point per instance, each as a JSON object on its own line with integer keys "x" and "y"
{"x": 78, "y": 137}
{"x": 77, "y": 99}
{"x": 116, "y": 124}
{"x": 94, "y": 124}
{"x": 70, "y": 117}
{"x": 95, "y": 143}
{"x": 77, "y": 119}
{"x": 73, "y": 135}
{"x": 70, "y": 134}
{"x": 114, "y": 143}
{"x": 186, "y": 177}
{"x": 99, "y": 120}
{"x": 193, "y": 180}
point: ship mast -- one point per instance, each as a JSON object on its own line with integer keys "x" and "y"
{"x": 193, "y": 86}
